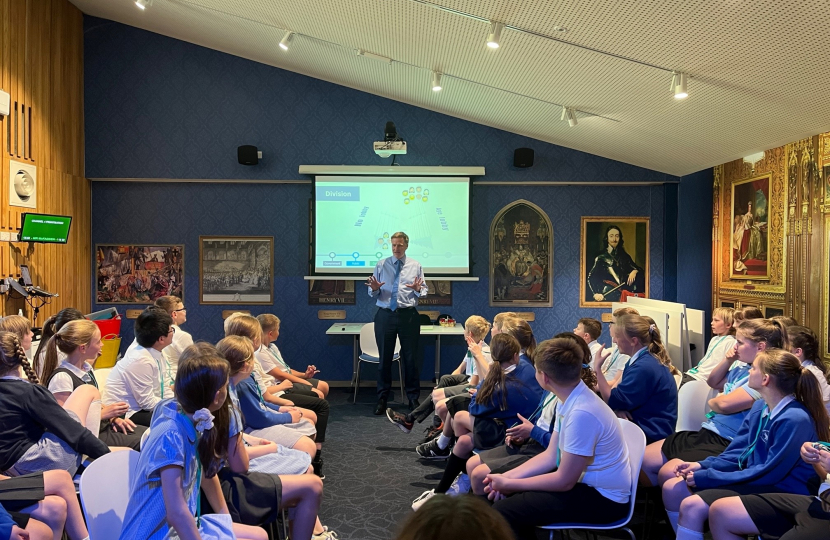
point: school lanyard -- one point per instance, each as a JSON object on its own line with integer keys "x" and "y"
{"x": 740, "y": 382}
{"x": 161, "y": 376}
{"x": 751, "y": 448}
{"x": 614, "y": 357}
{"x": 559, "y": 440}
{"x": 541, "y": 407}
{"x": 708, "y": 354}
{"x": 279, "y": 359}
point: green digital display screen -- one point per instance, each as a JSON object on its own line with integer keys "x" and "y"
{"x": 45, "y": 228}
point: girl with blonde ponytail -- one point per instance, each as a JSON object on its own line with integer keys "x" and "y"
{"x": 647, "y": 392}
{"x": 764, "y": 455}
{"x": 38, "y": 434}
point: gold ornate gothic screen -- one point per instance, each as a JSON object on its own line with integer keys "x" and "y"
{"x": 771, "y": 233}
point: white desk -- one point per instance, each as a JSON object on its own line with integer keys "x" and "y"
{"x": 353, "y": 329}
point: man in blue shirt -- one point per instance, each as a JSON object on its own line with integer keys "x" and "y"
{"x": 396, "y": 285}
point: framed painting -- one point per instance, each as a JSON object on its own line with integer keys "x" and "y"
{"x": 138, "y": 273}
{"x": 614, "y": 261}
{"x": 749, "y": 238}
{"x": 440, "y": 294}
{"x": 236, "y": 270}
{"x": 521, "y": 256}
{"x": 330, "y": 291}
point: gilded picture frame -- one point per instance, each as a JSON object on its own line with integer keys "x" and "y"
{"x": 138, "y": 273}
{"x": 236, "y": 270}
{"x": 604, "y": 270}
{"x": 749, "y": 237}
{"x": 521, "y": 256}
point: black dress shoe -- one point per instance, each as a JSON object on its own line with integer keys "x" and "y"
{"x": 380, "y": 408}
{"x": 414, "y": 404}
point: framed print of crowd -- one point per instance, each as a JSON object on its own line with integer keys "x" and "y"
{"x": 614, "y": 260}
{"x": 236, "y": 270}
{"x": 138, "y": 274}
{"x": 750, "y": 241}
{"x": 521, "y": 256}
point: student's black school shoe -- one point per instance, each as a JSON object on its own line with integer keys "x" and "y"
{"x": 317, "y": 465}
{"x": 399, "y": 420}
{"x": 431, "y": 450}
{"x": 380, "y": 408}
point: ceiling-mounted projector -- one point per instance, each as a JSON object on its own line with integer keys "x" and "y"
{"x": 391, "y": 143}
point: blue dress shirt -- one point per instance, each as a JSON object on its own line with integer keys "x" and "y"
{"x": 385, "y": 273}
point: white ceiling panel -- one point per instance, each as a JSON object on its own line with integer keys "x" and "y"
{"x": 758, "y": 68}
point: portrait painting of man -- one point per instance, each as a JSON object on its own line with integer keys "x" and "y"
{"x": 614, "y": 260}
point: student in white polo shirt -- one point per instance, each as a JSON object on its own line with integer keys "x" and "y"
{"x": 590, "y": 329}
{"x": 138, "y": 378}
{"x": 583, "y": 475}
{"x": 181, "y": 339}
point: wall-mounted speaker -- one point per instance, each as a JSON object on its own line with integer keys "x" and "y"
{"x": 523, "y": 158}
{"x": 248, "y": 154}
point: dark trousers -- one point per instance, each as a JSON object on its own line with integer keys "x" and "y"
{"x": 312, "y": 403}
{"x": 142, "y": 418}
{"x": 582, "y": 504}
{"x": 428, "y": 407}
{"x": 402, "y": 323}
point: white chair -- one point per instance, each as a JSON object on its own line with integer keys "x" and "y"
{"x": 105, "y": 492}
{"x": 369, "y": 352}
{"x": 692, "y": 405}
{"x": 635, "y": 441}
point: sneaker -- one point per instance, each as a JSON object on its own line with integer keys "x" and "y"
{"x": 430, "y": 450}
{"x": 425, "y": 496}
{"x": 325, "y": 535}
{"x": 460, "y": 485}
{"x": 432, "y": 433}
{"x": 399, "y": 420}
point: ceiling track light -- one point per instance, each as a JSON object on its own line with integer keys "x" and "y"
{"x": 436, "y": 81}
{"x": 373, "y": 56}
{"x": 678, "y": 85}
{"x": 495, "y": 34}
{"x": 568, "y": 112}
{"x": 286, "y": 39}
{"x": 143, "y": 4}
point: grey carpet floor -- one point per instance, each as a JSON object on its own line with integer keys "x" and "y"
{"x": 373, "y": 473}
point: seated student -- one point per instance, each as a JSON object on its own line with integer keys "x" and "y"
{"x": 20, "y": 326}
{"x": 589, "y": 329}
{"x": 446, "y": 409}
{"x": 764, "y": 455}
{"x": 80, "y": 343}
{"x": 583, "y": 475}
{"x": 38, "y": 434}
{"x": 509, "y": 390}
{"x": 51, "y": 326}
{"x": 181, "y": 339}
{"x": 445, "y": 518}
{"x": 187, "y": 445}
{"x": 647, "y": 392}
{"x": 804, "y": 345}
{"x": 49, "y": 497}
{"x": 139, "y": 377}
{"x": 465, "y": 376}
{"x": 19, "y": 526}
{"x": 612, "y": 367}
{"x": 271, "y": 359}
{"x": 745, "y": 313}
{"x": 722, "y": 342}
{"x": 729, "y": 408}
{"x": 528, "y": 438}
{"x": 778, "y": 515}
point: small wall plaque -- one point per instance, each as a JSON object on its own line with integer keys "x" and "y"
{"x": 607, "y": 317}
{"x": 431, "y": 314}
{"x": 529, "y": 316}
{"x": 228, "y": 312}
{"x": 133, "y": 313}
{"x": 331, "y": 314}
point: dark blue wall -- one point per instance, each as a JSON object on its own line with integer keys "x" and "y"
{"x": 161, "y": 108}
{"x": 694, "y": 254}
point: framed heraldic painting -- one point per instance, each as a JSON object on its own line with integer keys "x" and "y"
{"x": 236, "y": 270}
{"x": 440, "y": 294}
{"x": 749, "y": 239}
{"x": 521, "y": 256}
{"x": 614, "y": 261}
{"x": 138, "y": 273}
{"x": 330, "y": 291}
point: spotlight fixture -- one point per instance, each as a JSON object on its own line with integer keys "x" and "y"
{"x": 678, "y": 85}
{"x": 285, "y": 39}
{"x": 568, "y": 112}
{"x": 495, "y": 34}
{"x": 436, "y": 81}
{"x": 143, "y": 4}
{"x": 373, "y": 56}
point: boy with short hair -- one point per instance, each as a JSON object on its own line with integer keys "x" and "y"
{"x": 589, "y": 329}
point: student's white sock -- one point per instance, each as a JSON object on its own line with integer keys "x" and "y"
{"x": 93, "y": 417}
{"x": 673, "y": 517}
{"x": 443, "y": 441}
{"x": 687, "y": 534}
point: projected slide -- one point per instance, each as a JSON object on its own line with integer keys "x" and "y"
{"x": 355, "y": 218}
